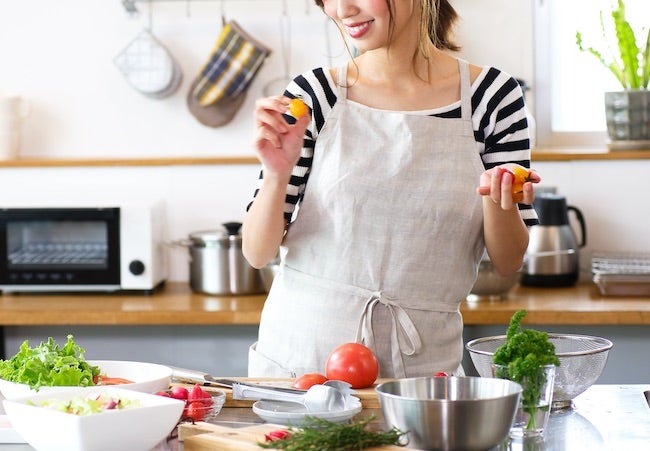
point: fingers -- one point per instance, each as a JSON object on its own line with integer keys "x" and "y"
{"x": 268, "y": 113}
{"x": 269, "y": 123}
{"x": 497, "y": 184}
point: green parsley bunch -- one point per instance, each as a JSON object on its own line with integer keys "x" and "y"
{"x": 524, "y": 355}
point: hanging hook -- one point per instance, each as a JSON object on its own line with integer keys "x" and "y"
{"x": 223, "y": 12}
{"x": 150, "y": 16}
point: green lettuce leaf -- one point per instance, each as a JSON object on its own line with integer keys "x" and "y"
{"x": 49, "y": 365}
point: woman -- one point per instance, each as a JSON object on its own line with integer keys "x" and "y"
{"x": 401, "y": 179}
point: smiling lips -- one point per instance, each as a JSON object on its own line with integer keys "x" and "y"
{"x": 358, "y": 30}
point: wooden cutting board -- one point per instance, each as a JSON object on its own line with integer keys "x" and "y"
{"x": 210, "y": 437}
{"x": 367, "y": 396}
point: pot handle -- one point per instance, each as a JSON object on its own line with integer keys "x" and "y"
{"x": 184, "y": 242}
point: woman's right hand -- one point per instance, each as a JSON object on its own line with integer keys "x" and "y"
{"x": 277, "y": 143}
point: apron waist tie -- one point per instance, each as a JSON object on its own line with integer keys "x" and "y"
{"x": 404, "y": 337}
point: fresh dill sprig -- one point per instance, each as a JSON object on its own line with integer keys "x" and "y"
{"x": 321, "y": 435}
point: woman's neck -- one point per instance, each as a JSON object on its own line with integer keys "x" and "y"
{"x": 393, "y": 80}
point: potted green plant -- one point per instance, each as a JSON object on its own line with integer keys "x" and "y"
{"x": 628, "y": 59}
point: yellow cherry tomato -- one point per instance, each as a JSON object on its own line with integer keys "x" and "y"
{"x": 297, "y": 108}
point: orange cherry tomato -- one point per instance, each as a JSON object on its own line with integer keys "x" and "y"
{"x": 297, "y": 108}
{"x": 520, "y": 176}
{"x": 308, "y": 379}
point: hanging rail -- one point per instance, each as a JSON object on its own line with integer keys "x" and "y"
{"x": 131, "y": 8}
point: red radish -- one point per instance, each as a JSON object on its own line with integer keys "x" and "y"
{"x": 179, "y": 392}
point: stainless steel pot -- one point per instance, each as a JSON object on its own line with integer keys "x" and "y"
{"x": 217, "y": 265}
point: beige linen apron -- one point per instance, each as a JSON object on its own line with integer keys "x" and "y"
{"x": 385, "y": 245}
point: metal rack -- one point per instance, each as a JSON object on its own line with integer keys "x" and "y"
{"x": 131, "y": 8}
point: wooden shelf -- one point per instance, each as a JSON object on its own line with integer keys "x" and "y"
{"x": 537, "y": 155}
{"x": 548, "y": 154}
{"x": 588, "y": 154}
{"x": 89, "y": 162}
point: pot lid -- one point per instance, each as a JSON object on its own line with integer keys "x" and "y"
{"x": 225, "y": 236}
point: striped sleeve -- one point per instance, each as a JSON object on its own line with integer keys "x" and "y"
{"x": 501, "y": 126}
{"x": 317, "y": 91}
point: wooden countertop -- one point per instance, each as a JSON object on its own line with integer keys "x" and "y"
{"x": 175, "y": 304}
{"x": 578, "y": 305}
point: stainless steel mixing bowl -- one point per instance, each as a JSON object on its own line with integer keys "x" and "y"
{"x": 490, "y": 285}
{"x": 450, "y": 413}
{"x": 582, "y": 360}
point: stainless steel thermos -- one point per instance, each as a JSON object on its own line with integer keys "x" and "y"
{"x": 552, "y": 258}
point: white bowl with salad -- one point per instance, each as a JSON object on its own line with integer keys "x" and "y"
{"x": 94, "y": 419}
{"x": 51, "y": 368}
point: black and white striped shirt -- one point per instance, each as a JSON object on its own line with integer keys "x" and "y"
{"x": 498, "y": 117}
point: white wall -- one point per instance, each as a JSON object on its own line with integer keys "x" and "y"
{"x": 59, "y": 55}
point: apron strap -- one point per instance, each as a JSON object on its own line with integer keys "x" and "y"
{"x": 405, "y": 338}
{"x": 342, "y": 81}
{"x": 465, "y": 90}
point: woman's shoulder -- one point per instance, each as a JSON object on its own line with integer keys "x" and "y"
{"x": 487, "y": 78}
{"x": 319, "y": 80}
{"x": 318, "y": 90}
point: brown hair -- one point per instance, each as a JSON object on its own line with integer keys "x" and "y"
{"x": 438, "y": 20}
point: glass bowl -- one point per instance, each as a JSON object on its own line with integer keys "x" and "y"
{"x": 205, "y": 409}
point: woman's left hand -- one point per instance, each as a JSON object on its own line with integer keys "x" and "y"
{"x": 497, "y": 184}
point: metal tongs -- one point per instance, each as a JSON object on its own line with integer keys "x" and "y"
{"x": 199, "y": 377}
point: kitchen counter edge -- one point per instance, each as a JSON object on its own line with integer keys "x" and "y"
{"x": 176, "y": 304}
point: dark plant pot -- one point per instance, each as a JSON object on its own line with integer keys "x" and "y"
{"x": 628, "y": 116}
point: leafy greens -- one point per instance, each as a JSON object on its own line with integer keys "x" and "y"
{"x": 49, "y": 364}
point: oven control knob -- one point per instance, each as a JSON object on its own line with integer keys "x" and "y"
{"x": 136, "y": 267}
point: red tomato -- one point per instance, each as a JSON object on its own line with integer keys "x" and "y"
{"x": 353, "y": 363}
{"x": 307, "y": 380}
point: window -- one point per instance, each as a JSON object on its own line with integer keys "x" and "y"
{"x": 569, "y": 84}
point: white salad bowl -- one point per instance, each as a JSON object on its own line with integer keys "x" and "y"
{"x": 146, "y": 377}
{"x": 139, "y": 427}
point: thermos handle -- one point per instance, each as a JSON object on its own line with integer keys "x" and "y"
{"x": 581, "y": 220}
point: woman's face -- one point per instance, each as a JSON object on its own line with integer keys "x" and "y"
{"x": 368, "y": 23}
